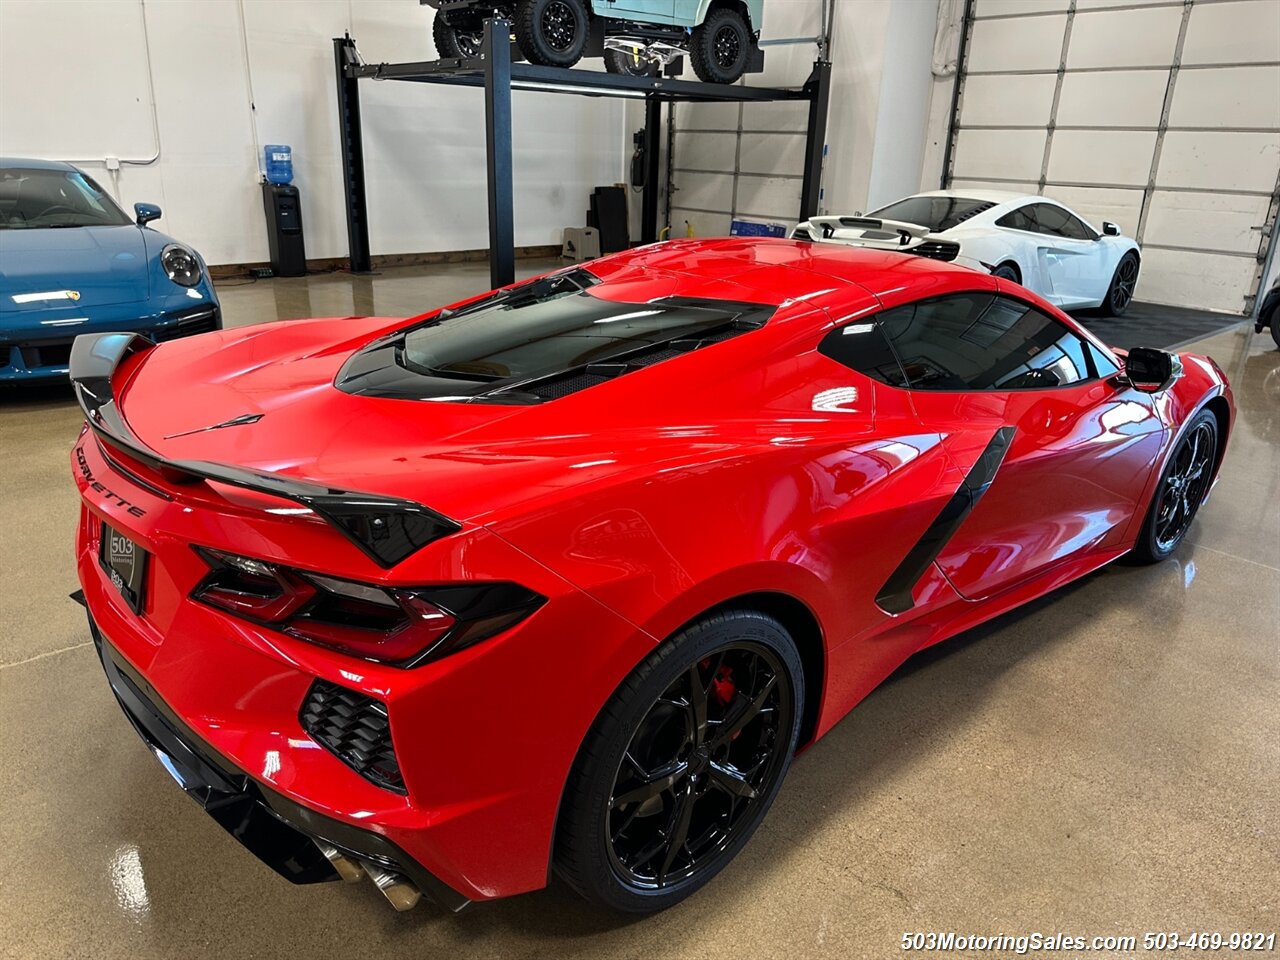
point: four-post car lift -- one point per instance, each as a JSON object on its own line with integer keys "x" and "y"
{"x": 498, "y": 75}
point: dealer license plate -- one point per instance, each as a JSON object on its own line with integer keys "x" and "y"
{"x": 126, "y": 565}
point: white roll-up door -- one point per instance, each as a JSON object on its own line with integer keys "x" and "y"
{"x": 1163, "y": 117}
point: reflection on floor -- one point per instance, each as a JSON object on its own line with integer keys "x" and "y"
{"x": 1103, "y": 762}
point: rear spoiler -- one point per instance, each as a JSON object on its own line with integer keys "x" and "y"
{"x": 827, "y": 228}
{"x": 386, "y": 529}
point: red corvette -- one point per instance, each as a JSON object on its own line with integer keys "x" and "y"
{"x": 561, "y": 577}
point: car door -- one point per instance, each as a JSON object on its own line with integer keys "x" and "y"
{"x": 654, "y": 11}
{"x": 1056, "y": 447}
{"x": 1045, "y": 272}
{"x": 1075, "y": 252}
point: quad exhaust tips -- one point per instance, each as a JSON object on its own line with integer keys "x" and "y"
{"x": 400, "y": 893}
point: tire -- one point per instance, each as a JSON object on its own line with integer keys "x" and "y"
{"x": 552, "y": 32}
{"x": 1183, "y": 485}
{"x": 456, "y": 43}
{"x": 1007, "y": 271}
{"x": 647, "y": 743}
{"x": 1272, "y": 320}
{"x": 626, "y": 64}
{"x": 1120, "y": 291}
{"x": 719, "y": 47}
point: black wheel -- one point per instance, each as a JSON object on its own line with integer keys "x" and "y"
{"x": 1120, "y": 293}
{"x": 1182, "y": 489}
{"x": 1007, "y": 271}
{"x": 627, "y": 63}
{"x": 719, "y": 47}
{"x": 682, "y": 763}
{"x": 456, "y": 42}
{"x": 552, "y": 32}
{"x": 1272, "y": 320}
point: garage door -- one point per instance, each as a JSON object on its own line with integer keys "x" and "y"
{"x": 735, "y": 161}
{"x": 1163, "y": 117}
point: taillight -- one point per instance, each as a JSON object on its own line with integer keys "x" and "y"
{"x": 400, "y": 626}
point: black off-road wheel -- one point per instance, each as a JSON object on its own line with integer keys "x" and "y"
{"x": 1120, "y": 293}
{"x": 552, "y": 32}
{"x": 682, "y": 763}
{"x": 1182, "y": 488}
{"x": 719, "y": 47}
{"x": 627, "y": 64}
{"x": 454, "y": 42}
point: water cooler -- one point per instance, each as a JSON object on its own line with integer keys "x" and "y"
{"x": 283, "y": 207}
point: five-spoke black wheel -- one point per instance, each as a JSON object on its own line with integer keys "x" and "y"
{"x": 1123, "y": 282}
{"x": 1183, "y": 485}
{"x": 682, "y": 764}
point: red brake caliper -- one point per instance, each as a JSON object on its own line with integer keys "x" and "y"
{"x": 723, "y": 688}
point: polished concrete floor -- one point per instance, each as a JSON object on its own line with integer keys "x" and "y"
{"x": 1105, "y": 761}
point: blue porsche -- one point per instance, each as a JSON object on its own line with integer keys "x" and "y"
{"x": 72, "y": 262}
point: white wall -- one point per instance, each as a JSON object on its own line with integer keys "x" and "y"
{"x": 906, "y": 86}
{"x": 74, "y": 85}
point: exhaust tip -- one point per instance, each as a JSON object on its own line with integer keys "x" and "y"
{"x": 349, "y": 870}
{"x": 400, "y": 893}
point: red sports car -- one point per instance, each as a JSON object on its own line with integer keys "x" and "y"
{"x": 560, "y": 577}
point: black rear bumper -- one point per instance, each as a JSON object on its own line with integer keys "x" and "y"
{"x": 280, "y": 833}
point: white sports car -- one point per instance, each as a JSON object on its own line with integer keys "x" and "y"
{"x": 1031, "y": 240}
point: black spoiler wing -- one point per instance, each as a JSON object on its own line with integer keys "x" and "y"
{"x": 386, "y": 529}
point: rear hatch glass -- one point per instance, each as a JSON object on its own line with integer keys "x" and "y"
{"x": 936, "y": 213}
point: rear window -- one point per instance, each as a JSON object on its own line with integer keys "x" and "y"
{"x": 936, "y": 213}
{"x": 549, "y": 327}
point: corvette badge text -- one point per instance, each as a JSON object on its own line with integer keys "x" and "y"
{"x": 112, "y": 497}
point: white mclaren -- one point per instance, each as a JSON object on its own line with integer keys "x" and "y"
{"x": 1031, "y": 240}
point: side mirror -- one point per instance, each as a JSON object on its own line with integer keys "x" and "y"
{"x": 146, "y": 212}
{"x": 1110, "y": 229}
{"x": 1151, "y": 370}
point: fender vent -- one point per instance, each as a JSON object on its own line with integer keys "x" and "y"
{"x": 355, "y": 729}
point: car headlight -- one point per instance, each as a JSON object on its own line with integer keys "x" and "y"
{"x": 181, "y": 265}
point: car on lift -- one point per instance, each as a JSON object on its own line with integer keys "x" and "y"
{"x": 721, "y": 37}
{"x": 559, "y": 578}
{"x": 1032, "y": 240}
{"x": 73, "y": 262}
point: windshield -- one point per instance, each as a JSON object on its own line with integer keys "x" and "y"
{"x": 936, "y": 213}
{"x": 546, "y": 328}
{"x": 54, "y": 198}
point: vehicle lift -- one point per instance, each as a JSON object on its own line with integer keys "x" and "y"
{"x": 498, "y": 75}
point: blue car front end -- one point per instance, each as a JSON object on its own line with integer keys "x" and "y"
{"x": 61, "y": 276}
